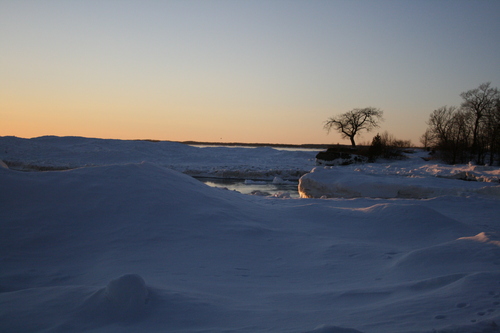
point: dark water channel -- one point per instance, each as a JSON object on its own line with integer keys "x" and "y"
{"x": 253, "y": 187}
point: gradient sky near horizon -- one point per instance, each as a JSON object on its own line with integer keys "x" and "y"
{"x": 238, "y": 71}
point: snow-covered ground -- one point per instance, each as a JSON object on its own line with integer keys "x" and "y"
{"x": 133, "y": 245}
{"x": 51, "y": 152}
{"x": 411, "y": 178}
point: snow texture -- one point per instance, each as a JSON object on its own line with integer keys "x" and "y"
{"x": 52, "y": 153}
{"x": 132, "y": 246}
{"x": 413, "y": 178}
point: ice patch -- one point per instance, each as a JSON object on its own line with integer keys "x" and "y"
{"x": 254, "y": 182}
{"x": 282, "y": 195}
{"x": 280, "y": 181}
{"x": 260, "y": 193}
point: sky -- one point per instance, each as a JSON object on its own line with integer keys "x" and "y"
{"x": 238, "y": 71}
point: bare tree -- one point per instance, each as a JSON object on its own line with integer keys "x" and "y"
{"x": 492, "y": 131}
{"x": 426, "y": 138}
{"x": 468, "y": 133}
{"x": 480, "y": 102}
{"x": 450, "y": 132}
{"x": 349, "y": 124}
{"x": 440, "y": 123}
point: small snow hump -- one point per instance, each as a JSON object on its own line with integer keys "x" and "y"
{"x": 333, "y": 329}
{"x": 124, "y": 299}
{"x": 127, "y": 293}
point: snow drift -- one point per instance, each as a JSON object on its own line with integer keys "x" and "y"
{"x": 348, "y": 183}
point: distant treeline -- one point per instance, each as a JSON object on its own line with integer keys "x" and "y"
{"x": 244, "y": 144}
{"x": 470, "y": 132}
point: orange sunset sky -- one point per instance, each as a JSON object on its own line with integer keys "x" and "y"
{"x": 237, "y": 71}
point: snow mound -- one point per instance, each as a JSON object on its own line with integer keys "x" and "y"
{"x": 414, "y": 166}
{"x": 333, "y": 329}
{"x": 342, "y": 182}
{"x": 124, "y": 299}
{"x": 464, "y": 255}
{"x": 478, "y": 173}
{"x": 279, "y": 181}
{"x": 282, "y": 195}
{"x": 127, "y": 293}
{"x": 409, "y": 224}
{"x": 486, "y": 326}
{"x": 493, "y": 191}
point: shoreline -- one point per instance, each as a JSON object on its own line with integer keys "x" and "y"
{"x": 279, "y": 145}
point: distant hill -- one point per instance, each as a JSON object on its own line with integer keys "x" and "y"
{"x": 312, "y": 146}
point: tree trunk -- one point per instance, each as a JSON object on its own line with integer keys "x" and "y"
{"x": 352, "y": 141}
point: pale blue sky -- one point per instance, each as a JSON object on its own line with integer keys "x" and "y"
{"x": 247, "y": 71}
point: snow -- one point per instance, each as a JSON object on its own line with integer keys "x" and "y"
{"x": 124, "y": 242}
{"x": 346, "y": 183}
{"x": 413, "y": 178}
{"x": 51, "y": 152}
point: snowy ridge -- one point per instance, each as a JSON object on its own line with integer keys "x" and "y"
{"x": 139, "y": 247}
{"x": 72, "y": 152}
{"x": 345, "y": 183}
{"x": 414, "y": 177}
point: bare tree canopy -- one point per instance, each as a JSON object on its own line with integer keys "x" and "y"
{"x": 480, "y": 102}
{"x": 470, "y": 132}
{"x": 352, "y": 122}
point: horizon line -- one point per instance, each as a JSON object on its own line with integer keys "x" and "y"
{"x": 193, "y": 142}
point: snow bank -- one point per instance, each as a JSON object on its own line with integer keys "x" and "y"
{"x": 413, "y": 178}
{"x": 415, "y": 166}
{"x": 347, "y": 183}
{"x": 458, "y": 256}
